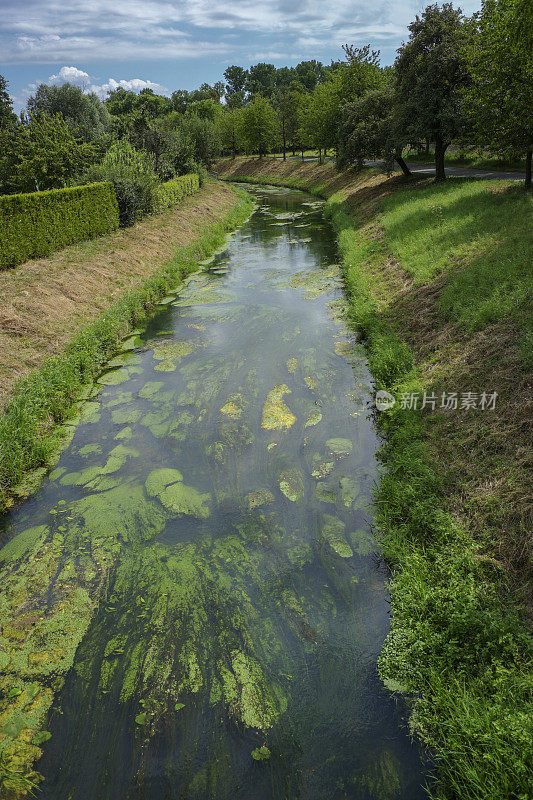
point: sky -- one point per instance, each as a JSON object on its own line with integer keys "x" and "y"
{"x": 179, "y": 44}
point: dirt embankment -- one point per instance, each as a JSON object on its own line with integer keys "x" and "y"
{"x": 46, "y": 301}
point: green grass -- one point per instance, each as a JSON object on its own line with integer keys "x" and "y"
{"x": 30, "y": 427}
{"x": 457, "y": 649}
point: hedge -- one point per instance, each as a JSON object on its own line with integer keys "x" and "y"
{"x": 172, "y": 192}
{"x": 36, "y": 224}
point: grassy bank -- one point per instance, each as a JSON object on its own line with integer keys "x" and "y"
{"x": 35, "y": 419}
{"x": 438, "y": 278}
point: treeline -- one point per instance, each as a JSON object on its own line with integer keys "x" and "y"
{"x": 457, "y": 81}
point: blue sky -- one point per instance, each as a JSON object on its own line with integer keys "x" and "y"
{"x": 172, "y": 44}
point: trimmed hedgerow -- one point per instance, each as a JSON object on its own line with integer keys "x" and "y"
{"x": 36, "y": 224}
{"x": 172, "y": 192}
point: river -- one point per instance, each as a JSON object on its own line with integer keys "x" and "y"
{"x": 200, "y": 566}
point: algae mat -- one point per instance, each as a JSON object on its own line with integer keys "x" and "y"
{"x": 191, "y": 604}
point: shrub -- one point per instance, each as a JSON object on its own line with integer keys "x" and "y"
{"x": 172, "y": 192}
{"x": 134, "y": 180}
{"x": 35, "y": 224}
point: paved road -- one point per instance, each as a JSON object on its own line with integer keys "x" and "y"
{"x": 429, "y": 169}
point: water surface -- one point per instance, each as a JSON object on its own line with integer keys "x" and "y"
{"x": 214, "y": 506}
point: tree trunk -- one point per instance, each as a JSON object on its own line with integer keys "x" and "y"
{"x": 440, "y": 149}
{"x": 233, "y": 143}
{"x": 302, "y": 154}
{"x": 284, "y": 142}
{"x": 528, "y": 169}
{"x": 320, "y": 155}
{"x": 401, "y": 163}
{"x": 427, "y": 147}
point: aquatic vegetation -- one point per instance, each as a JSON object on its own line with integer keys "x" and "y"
{"x": 339, "y": 447}
{"x": 258, "y": 498}
{"x": 261, "y": 753}
{"x": 332, "y": 530}
{"x": 115, "y": 461}
{"x": 292, "y": 364}
{"x": 344, "y": 348}
{"x": 313, "y": 419}
{"x": 167, "y": 485}
{"x": 292, "y": 484}
{"x": 276, "y": 415}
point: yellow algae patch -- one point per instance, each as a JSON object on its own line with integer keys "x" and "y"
{"x": 276, "y": 415}
{"x": 231, "y": 410}
{"x": 344, "y": 349}
{"x": 311, "y": 382}
{"x": 292, "y": 364}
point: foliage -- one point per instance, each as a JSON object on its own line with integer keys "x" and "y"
{"x": 499, "y": 100}
{"x": 368, "y": 128}
{"x": 134, "y": 180}
{"x": 47, "y": 396}
{"x": 34, "y": 225}
{"x": 85, "y": 114}
{"x": 41, "y": 154}
{"x": 319, "y": 116}
{"x": 431, "y": 73}
{"x": 7, "y": 117}
{"x": 171, "y": 193}
{"x": 256, "y": 124}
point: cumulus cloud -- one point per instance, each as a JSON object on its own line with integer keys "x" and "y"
{"x": 133, "y": 85}
{"x": 70, "y": 75}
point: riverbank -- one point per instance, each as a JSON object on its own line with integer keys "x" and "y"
{"x": 437, "y": 277}
{"x": 63, "y": 316}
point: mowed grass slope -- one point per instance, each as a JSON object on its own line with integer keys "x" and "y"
{"x": 439, "y": 280}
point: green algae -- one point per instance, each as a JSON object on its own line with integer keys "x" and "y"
{"x": 259, "y": 498}
{"x": 115, "y": 461}
{"x": 291, "y": 483}
{"x": 167, "y": 485}
{"x": 313, "y": 419}
{"x": 362, "y": 542}
{"x": 339, "y": 447}
{"x": 90, "y": 449}
{"x": 332, "y": 530}
{"x": 276, "y": 415}
{"x": 151, "y": 389}
{"x": 292, "y": 365}
{"x": 126, "y": 416}
{"x": 114, "y": 378}
{"x": 125, "y": 433}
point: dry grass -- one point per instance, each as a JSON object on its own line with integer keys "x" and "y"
{"x": 46, "y": 301}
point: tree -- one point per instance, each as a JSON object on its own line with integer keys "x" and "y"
{"x": 431, "y": 74}
{"x": 7, "y": 116}
{"x": 85, "y": 114}
{"x": 261, "y": 80}
{"x": 41, "y": 154}
{"x": 236, "y": 78}
{"x": 257, "y": 127}
{"x": 368, "y": 130}
{"x": 319, "y": 116}
{"x": 499, "y": 100}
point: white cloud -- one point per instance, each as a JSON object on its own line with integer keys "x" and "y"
{"x": 70, "y": 75}
{"x": 133, "y": 85}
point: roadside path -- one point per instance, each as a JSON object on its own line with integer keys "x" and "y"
{"x": 429, "y": 169}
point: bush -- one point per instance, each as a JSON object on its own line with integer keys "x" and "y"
{"x": 35, "y": 224}
{"x": 133, "y": 177}
{"x": 172, "y": 192}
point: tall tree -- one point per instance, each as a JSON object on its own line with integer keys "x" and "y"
{"x": 368, "y": 130}
{"x": 236, "y": 78}
{"x": 431, "y": 74}
{"x": 41, "y": 154}
{"x": 499, "y": 100}
{"x": 261, "y": 80}
{"x": 7, "y": 116}
{"x": 85, "y": 114}
{"x": 257, "y": 126}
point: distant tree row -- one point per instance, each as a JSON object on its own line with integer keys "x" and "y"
{"x": 463, "y": 81}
